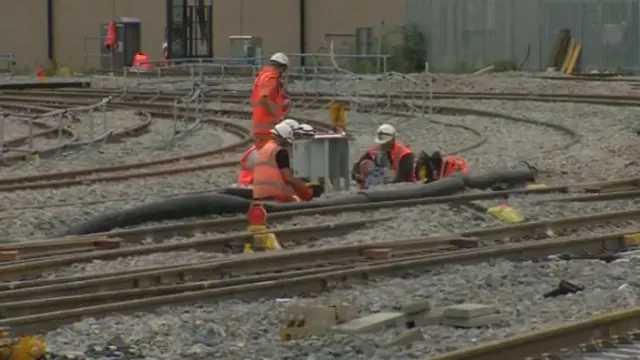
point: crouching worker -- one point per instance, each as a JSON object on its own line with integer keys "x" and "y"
{"x": 389, "y": 161}
{"x": 273, "y": 178}
{"x": 438, "y": 166}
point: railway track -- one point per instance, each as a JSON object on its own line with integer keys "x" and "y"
{"x": 15, "y": 149}
{"x": 324, "y": 97}
{"x": 175, "y": 165}
{"x": 611, "y": 336}
{"x": 128, "y": 242}
{"x": 278, "y": 274}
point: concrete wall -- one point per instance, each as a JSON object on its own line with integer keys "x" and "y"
{"x": 23, "y": 28}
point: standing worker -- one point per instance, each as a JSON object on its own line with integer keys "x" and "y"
{"x": 268, "y": 98}
{"x": 273, "y": 178}
{"x": 390, "y": 161}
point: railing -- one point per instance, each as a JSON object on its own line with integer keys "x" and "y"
{"x": 61, "y": 118}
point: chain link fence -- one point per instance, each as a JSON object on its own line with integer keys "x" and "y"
{"x": 465, "y": 35}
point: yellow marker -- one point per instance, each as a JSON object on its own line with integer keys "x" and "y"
{"x": 32, "y": 159}
{"x": 632, "y": 239}
{"x": 505, "y": 213}
{"x": 266, "y": 240}
{"x": 337, "y": 115}
{"x": 27, "y": 348}
{"x": 537, "y": 186}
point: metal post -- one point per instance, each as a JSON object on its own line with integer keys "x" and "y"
{"x": 430, "y": 81}
{"x": 92, "y": 127}
{"x": 3, "y": 118}
{"x": 105, "y": 126}
{"x": 60, "y": 117}
{"x": 30, "y": 142}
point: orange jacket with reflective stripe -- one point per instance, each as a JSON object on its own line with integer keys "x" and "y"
{"x": 267, "y": 180}
{"x": 141, "y": 61}
{"x": 247, "y": 163}
{"x": 263, "y": 121}
{"x": 452, "y": 165}
{"x": 399, "y": 150}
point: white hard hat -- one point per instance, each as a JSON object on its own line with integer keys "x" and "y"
{"x": 284, "y": 131}
{"x": 306, "y": 129}
{"x": 384, "y": 134}
{"x": 280, "y": 58}
{"x": 165, "y": 45}
{"x": 292, "y": 123}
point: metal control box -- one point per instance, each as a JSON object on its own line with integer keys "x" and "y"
{"x": 324, "y": 157}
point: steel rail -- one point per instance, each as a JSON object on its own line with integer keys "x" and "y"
{"x": 235, "y": 266}
{"x": 218, "y": 244}
{"x": 238, "y": 223}
{"x": 600, "y": 333}
{"x": 62, "y": 179}
{"x": 288, "y": 284}
{"x": 303, "y": 235}
{"x": 243, "y": 95}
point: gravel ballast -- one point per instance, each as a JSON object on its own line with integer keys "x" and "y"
{"x": 249, "y": 330}
{"x": 233, "y": 329}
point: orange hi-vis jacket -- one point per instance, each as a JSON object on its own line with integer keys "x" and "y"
{"x": 247, "y": 164}
{"x": 399, "y": 150}
{"x": 141, "y": 61}
{"x": 451, "y": 165}
{"x": 266, "y": 83}
{"x": 267, "y": 179}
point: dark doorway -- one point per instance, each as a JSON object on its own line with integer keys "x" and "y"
{"x": 189, "y": 27}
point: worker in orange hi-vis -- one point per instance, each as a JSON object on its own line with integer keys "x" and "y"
{"x": 268, "y": 99}
{"x": 141, "y": 61}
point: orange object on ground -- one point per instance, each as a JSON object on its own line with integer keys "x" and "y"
{"x": 111, "y": 40}
{"x": 267, "y": 179}
{"x": 257, "y": 214}
{"x": 247, "y": 164}
{"x": 40, "y": 72}
{"x": 399, "y": 150}
{"x": 141, "y": 61}
{"x": 452, "y": 165}
{"x": 266, "y": 84}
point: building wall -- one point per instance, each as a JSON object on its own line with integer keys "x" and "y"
{"x": 77, "y": 25}
{"x": 77, "y": 22}
{"x": 23, "y": 31}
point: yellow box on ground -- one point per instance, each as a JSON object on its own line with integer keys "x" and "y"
{"x": 505, "y": 213}
{"x": 632, "y": 239}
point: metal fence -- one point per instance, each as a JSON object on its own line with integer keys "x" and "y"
{"x": 468, "y": 34}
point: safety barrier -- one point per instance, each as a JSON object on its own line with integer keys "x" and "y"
{"x": 65, "y": 138}
{"x": 192, "y": 119}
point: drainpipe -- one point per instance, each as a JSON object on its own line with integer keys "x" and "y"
{"x": 303, "y": 36}
{"x": 50, "y": 29}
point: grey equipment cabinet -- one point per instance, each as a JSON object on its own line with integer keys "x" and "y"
{"x": 324, "y": 157}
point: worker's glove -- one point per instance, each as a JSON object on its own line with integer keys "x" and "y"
{"x": 318, "y": 189}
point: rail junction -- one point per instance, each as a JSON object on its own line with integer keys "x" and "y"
{"x": 45, "y": 126}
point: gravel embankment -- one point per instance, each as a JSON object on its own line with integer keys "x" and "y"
{"x": 235, "y": 329}
{"x": 513, "y": 82}
{"x": 607, "y": 147}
